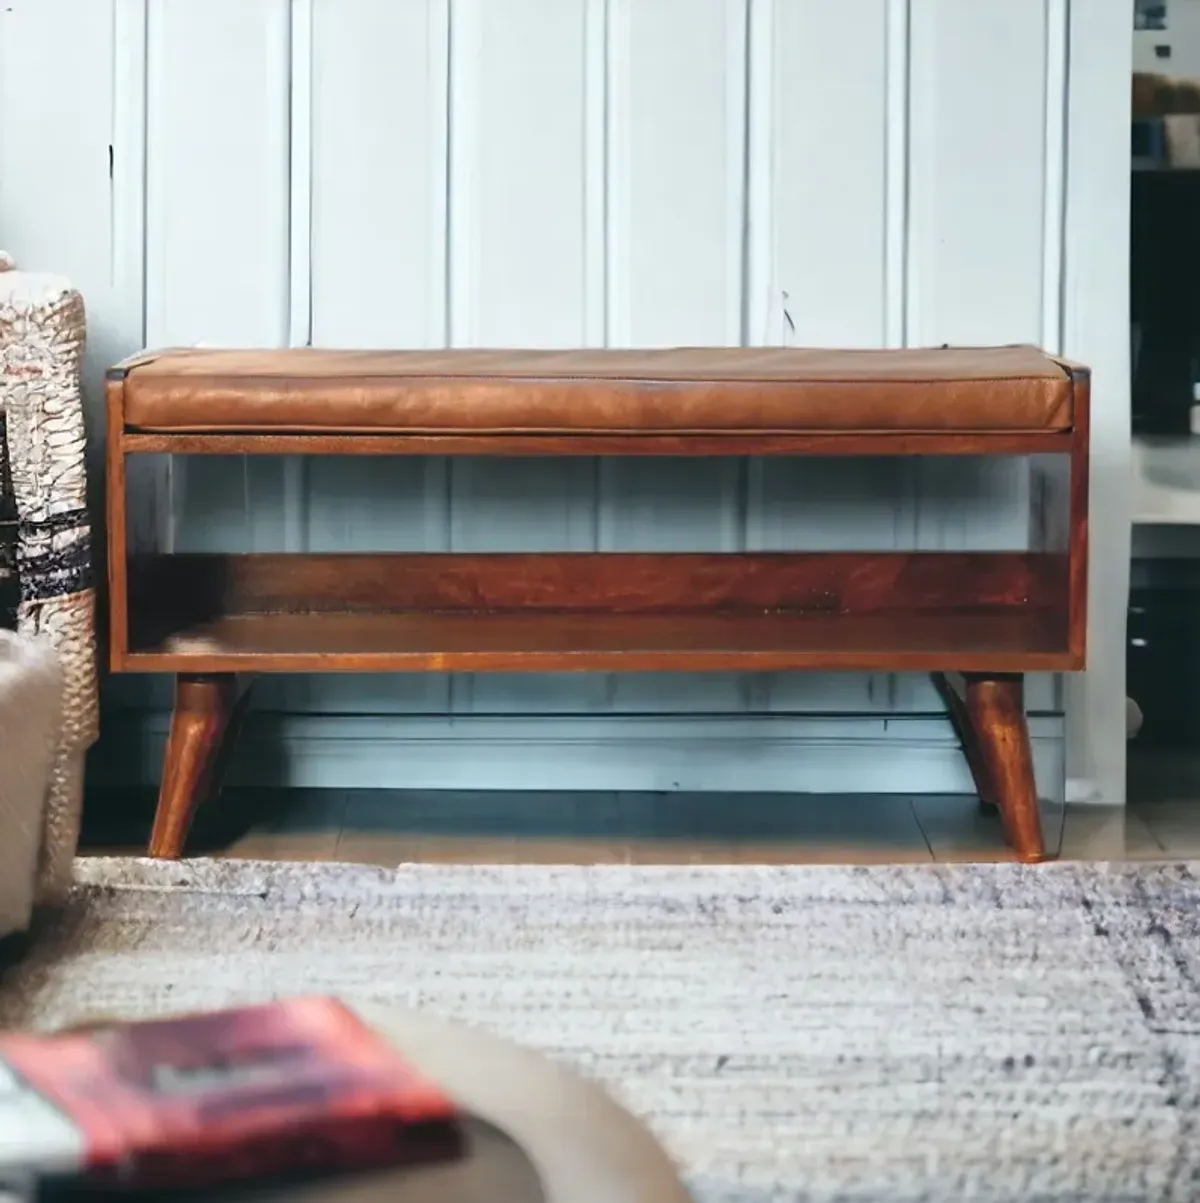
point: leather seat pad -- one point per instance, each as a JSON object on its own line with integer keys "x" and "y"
{"x": 743, "y": 390}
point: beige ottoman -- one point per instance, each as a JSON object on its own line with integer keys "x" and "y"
{"x": 535, "y": 1131}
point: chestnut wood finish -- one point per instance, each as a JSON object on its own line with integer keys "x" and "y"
{"x": 863, "y": 443}
{"x": 213, "y": 584}
{"x": 987, "y": 618}
{"x": 466, "y": 641}
{"x": 995, "y": 710}
{"x": 968, "y": 737}
{"x": 204, "y": 723}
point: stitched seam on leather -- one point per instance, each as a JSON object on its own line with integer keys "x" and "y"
{"x": 317, "y": 380}
{"x": 748, "y": 432}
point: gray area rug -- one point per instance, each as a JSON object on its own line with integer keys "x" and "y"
{"x": 989, "y": 1032}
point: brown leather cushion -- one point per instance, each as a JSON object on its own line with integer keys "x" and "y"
{"x": 696, "y": 391}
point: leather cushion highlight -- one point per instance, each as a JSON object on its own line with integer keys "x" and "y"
{"x": 683, "y": 391}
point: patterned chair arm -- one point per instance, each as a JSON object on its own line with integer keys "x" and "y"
{"x": 8, "y": 517}
{"x": 42, "y": 333}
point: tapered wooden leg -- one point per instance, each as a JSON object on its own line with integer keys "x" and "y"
{"x": 233, "y": 728}
{"x": 201, "y": 728}
{"x": 956, "y": 708}
{"x": 995, "y": 709}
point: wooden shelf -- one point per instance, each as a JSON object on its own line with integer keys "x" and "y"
{"x": 573, "y": 612}
{"x": 1003, "y": 640}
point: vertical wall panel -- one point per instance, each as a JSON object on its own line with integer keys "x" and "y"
{"x": 379, "y": 78}
{"x": 977, "y": 224}
{"x": 55, "y": 129}
{"x": 64, "y": 101}
{"x": 147, "y": 478}
{"x": 819, "y": 247}
{"x": 818, "y": 257}
{"x": 676, "y": 188}
{"x": 518, "y": 184}
{"x": 818, "y": 239}
{"x": 378, "y": 206}
{"x": 526, "y": 219}
{"x": 1050, "y": 475}
{"x": 976, "y": 188}
{"x": 287, "y": 476}
{"x": 676, "y": 221}
{"x": 977, "y": 171}
{"x": 56, "y": 202}
{"x": 217, "y": 188}
{"x": 1096, "y": 332}
{"x": 217, "y": 227}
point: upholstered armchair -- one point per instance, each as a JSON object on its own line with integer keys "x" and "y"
{"x": 45, "y": 561}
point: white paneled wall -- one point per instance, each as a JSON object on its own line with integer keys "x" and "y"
{"x": 562, "y": 173}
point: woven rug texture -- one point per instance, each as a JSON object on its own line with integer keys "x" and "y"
{"x": 900, "y": 1033}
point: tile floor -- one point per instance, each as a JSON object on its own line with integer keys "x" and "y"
{"x": 390, "y": 827}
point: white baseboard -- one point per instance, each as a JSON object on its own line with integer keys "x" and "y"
{"x": 733, "y": 753}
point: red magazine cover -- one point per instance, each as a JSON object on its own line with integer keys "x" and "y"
{"x": 234, "y": 1095}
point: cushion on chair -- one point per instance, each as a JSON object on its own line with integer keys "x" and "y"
{"x": 746, "y": 390}
{"x": 31, "y": 714}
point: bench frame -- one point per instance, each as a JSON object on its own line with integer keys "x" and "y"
{"x": 977, "y": 621}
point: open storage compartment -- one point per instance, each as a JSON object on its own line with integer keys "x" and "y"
{"x": 614, "y": 611}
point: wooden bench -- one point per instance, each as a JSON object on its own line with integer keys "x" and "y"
{"x": 987, "y": 618}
